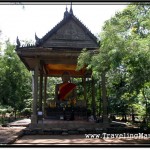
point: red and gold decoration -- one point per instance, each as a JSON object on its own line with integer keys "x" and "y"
{"x": 65, "y": 89}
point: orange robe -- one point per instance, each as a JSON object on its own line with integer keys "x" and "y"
{"x": 65, "y": 89}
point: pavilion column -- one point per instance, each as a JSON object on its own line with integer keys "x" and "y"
{"x": 84, "y": 86}
{"x": 105, "y": 101}
{"x": 100, "y": 100}
{"x": 45, "y": 94}
{"x": 85, "y": 92}
{"x": 93, "y": 98}
{"x": 41, "y": 91}
{"x": 35, "y": 96}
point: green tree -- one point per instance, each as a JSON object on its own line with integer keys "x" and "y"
{"x": 123, "y": 60}
{"x": 15, "y": 79}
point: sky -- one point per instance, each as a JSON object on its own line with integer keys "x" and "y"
{"x": 42, "y": 17}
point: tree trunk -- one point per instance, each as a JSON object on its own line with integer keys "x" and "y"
{"x": 143, "y": 92}
{"x": 125, "y": 117}
{"x": 15, "y": 114}
{"x": 104, "y": 100}
{"x": 133, "y": 117}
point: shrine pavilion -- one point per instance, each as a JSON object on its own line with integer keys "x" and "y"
{"x": 54, "y": 53}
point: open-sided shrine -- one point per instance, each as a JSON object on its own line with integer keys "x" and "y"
{"x": 53, "y": 54}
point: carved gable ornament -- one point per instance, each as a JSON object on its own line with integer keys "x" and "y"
{"x": 72, "y": 34}
{"x": 70, "y": 31}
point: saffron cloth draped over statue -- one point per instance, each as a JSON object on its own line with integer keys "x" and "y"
{"x": 65, "y": 90}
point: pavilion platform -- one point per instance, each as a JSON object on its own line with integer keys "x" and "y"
{"x": 63, "y": 127}
{"x": 65, "y": 124}
{"x": 76, "y": 127}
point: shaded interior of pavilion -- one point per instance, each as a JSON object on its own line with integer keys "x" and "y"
{"x": 51, "y": 110}
{"x": 53, "y": 114}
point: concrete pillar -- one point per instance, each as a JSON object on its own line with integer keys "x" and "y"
{"x": 35, "y": 96}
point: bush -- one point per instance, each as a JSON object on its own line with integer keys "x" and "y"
{"x": 3, "y": 111}
{"x": 6, "y": 109}
{"x": 26, "y": 112}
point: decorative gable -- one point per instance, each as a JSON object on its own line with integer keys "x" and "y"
{"x": 69, "y": 33}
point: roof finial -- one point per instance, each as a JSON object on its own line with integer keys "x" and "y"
{"x": 37, "y": 39}
{"x": 71, "y": 11}
{"x": 18, "y": 42}
{"x": 66, "y": 12}
{"x": 66, "y": 8}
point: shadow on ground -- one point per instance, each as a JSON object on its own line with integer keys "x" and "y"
{"x": 76, "y": 139}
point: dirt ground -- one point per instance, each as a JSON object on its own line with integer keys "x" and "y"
{"x": 75, "y": 140}
{"x": 11, "y": 136}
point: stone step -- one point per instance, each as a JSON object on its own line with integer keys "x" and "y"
{"x": 59, "y": 131}
{"x": 69, "y": 125}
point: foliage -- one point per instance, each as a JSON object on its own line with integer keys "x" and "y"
{"x": 124, "y": 56}
{"x": 83, "y": 59}
{"x": 15, "y": 80}
{"x": 51, "y": 83}
{"x": 6, "y": 109}
{"x": 26, "y": 112}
